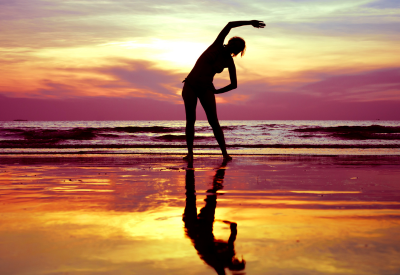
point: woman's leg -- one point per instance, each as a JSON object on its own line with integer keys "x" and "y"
{"x": 207, "y": 100}
{"x": 190, "y": 100}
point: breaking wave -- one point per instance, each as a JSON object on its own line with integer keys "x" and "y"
{"x": 150, "y": 129}
{"x": 83, "y": 133}
{"x": 51, "y": 135}
{"x": 356, "y": 132}
{"x": 180, "y": 138}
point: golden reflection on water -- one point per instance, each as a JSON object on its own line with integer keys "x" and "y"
{"x": 149, "y": 216}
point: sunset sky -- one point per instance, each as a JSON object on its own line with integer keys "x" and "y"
{"x": 120, "y": 59}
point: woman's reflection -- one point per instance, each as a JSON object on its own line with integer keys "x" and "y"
{"x": 218, "y": 254}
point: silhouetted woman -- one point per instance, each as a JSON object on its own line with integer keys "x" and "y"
{"x": 199, "y": 82}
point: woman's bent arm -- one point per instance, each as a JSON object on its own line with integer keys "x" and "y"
{"x": 233, "y": 85}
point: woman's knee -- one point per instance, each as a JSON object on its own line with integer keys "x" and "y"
{"x": 214, "y": 123}
{"x": 190, "y": 119}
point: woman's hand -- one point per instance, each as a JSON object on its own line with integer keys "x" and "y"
{"x": 257, "y": 24}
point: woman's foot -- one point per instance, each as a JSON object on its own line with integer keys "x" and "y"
{"x": 188, "y": 158}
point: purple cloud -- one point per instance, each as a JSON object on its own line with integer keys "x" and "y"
{"x": 365, "y": 86}
{"x": 140, "y": 74}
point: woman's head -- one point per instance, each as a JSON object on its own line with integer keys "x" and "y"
{"x": 236, "y": 45}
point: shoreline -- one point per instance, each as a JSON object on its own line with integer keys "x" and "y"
{"x": 238, "y": 152}
{"x": 100, "y": 154}
{"x": 199, "y": 159}
{"x": 199, "y": 146}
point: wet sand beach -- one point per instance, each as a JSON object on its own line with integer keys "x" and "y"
{"x": 152, "y": 214}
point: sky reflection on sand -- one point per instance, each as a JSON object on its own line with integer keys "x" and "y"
{"x": 123, "y": 214}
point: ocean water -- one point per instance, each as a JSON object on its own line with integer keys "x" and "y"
{"x": 168, "y": 137}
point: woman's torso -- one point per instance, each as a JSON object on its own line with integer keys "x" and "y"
{"x": 211, "y": 62}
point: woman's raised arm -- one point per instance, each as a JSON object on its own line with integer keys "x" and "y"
{"x": 225, "y": 31}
